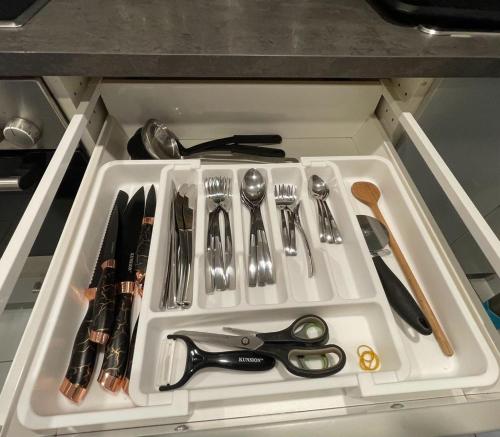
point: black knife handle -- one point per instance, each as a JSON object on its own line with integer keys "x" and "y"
{"x": 104, "y": 305}
{"x": 116, "y": 354}
{"x": 141, "y": 260}
{"x": 400, "y": 298}
{"x": 131, "y": 349}
{"x": 82, "y": 361}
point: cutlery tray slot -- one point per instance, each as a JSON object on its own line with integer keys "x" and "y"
{"x": 350, "y": 326}
{"x": 271, "y": 293}
{"x": 177, "y": 177}
{"x": 231, "y": 296}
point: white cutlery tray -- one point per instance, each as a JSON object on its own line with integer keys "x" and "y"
{"x": 345, "y": 291}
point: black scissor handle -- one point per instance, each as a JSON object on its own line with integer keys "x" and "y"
{"x": 307, "y": 362}
{"x": 308, "y": 330}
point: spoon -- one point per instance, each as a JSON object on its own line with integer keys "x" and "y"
{"x": 155, "y": 140}
{"x": 369, "y": 194}
{"x": 377, "y": 237}
{"x": 328, "y": 227}
{"x": 260, "y": 267}
{"x": 253, "y": 187}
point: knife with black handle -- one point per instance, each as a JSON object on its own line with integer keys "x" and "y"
{"x": 141, "y": 264}
{"x": 116, "y": 352}
{"x": 128, "y": 370}
{"x": 104, "y": 303}
{"x": 83, "y": 354}
{"x": 141, "y": 258}
{"x": 82, "y": 362}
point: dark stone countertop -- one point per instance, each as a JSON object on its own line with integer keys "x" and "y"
{"x": 234, "y": 39}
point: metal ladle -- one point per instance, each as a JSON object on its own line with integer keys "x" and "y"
{"x": 155, "y": 140}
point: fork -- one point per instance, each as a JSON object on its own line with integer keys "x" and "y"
{"x": 219, "y": 257}
{"x": 285, "y": 197}
{"x": 296, "y": 218}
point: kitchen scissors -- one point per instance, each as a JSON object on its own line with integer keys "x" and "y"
{"x": 301, "y": 347}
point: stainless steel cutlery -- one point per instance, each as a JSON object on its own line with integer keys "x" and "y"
{"x": 219, "y": 255}
{"x": 328, "y": 229}
{"x": 298, "y": 224}
{"x": 285, "y": 196}
{"x": 219, "y": 247}
{"x": 260, "y": 265}
{"x": 178, "y": 290}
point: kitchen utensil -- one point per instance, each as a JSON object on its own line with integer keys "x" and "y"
{"x": 104, "y": 302}
{"x": 285, "y": 197}
{"x": 260, "y": 266}
{"x": 84, "y": 352}
{"x": 298, "y": 224}
{"x": 116, "y": 353}
{"x": 141, "y": 263}
{"x": 369, "y": 194}
{"x": 219, "y": 256}
{"x": 142, "y": 252}
{"x": 168, "y": 298}
{"x": 156, "y": 141}
{"x": 300, "y": 347}
{"x": 184, "y": 225}
{"x": 400, "y": 299}
{"x": 197, "y": 359}
{"x": 282, "y": 208}
{"x": 83, "y": 357}
{"x": 329, "y": 230}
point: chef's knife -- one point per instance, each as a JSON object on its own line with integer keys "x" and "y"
{"x": 84, "y": 352}
{"x": 104, "y": 303}
{"x": 141, "y": 263}
{"x": 116, "y": 353}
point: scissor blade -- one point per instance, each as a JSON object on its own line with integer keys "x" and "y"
{"x": 238, "y": 331}
{"x": 240, "y": 342}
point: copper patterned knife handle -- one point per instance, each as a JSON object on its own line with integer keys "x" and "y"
{"x": 143, "y": 249}
{"x": 116, "y": 354}
{"x": 104, "y": 304}
{"x": 83, "y": 358}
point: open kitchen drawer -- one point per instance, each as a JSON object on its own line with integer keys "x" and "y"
{"x": 323, "y": 121}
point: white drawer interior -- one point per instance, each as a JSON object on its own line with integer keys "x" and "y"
{"x": 314, "y": 119}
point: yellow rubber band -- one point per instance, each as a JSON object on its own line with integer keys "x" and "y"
{"x": 368, "y": 359}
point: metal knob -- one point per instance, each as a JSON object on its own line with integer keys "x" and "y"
{"x": 21, "y": 132}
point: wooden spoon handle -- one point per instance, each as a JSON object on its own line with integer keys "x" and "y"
{"x": 441, "y": 338}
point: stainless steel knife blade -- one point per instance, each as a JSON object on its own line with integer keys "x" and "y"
{"x": 178, "y": 207}
{"x": 108, "y": 244}
{"x": 130, "y": 227}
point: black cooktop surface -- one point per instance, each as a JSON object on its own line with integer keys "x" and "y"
{"x": 11, "y": 9}
{"x": 479, "y": 15}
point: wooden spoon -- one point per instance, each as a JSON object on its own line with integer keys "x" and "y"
{"x": 369, "y": 194}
